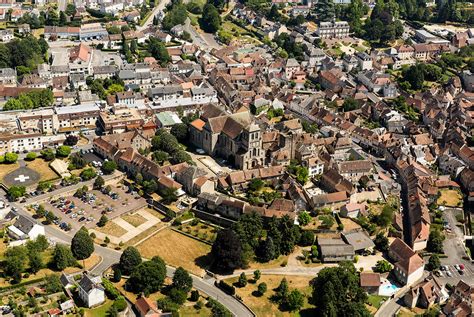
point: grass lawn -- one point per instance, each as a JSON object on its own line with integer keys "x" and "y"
{"x": 281, "y": 261}
{"x": 112, "y": 229}
{"x": 134, "y": 219}
{"x": 176, "y": 250}
{"x": 155, "y": 213}
{"x": 42, "y": 167}
{"x": 7, "y": 168}
{"x": 449, "y": 197}
{"x": 262, "y": 306}
{"x": 190, "y": 311}
{"x": 100, "y": 311}
{"x": 349, "y": 224}
{"x": 375, "y": 300}
{"x": 144, "y": 234}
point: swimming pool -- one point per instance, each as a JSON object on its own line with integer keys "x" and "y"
{"x": 388, "y": 289}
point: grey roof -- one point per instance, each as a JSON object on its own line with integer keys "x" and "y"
{"x": 127, "y": 74}
{"x": 24, "y": 224}
{"x": 87, "y": 283}
{"x": 337, "y": 250}
{"x": 7, "y": 72}
{"x": 359, "y": 240}
{"x": 106, "y": 69}
{"x": 66, "y": 280}
{"x": 165, "y": 90}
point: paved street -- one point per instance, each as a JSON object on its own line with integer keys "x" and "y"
{"x": 160, "y": 7}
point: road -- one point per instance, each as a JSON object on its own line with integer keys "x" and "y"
{"x": 149, "y": 21}
{"x": 110, "y": 257}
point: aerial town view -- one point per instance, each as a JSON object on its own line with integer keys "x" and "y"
{"x": 237, "y": 158}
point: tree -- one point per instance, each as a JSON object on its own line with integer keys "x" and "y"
{"x": 385, "y": 218}
{"x": 82, "y": 245}
{"x": 180, "y": 131}
{"x": 350, "y": 104}
{"x": 48, "y": 154}
{"x": 76, "y": 161}
{"x": 71, "y": 140}
{"x": 181, "y": 156}
{"x": 62, "y": 18}
{"x": 98, "y": 182}
{"x": 256, "y": 275}
{"x": 177, "y": 15}
{"x": 109, "y": 167}
{"x": 178, "y": 296}
{"x": 382, "y": 266}
{"x": 158, "y": 50}
{"x": 262, "y": 288}
{"x": 435, "y": 241}
{"x": 242, "y": 280}
{"x": 44, "y": 186}
{"x": 15, "y": 192}
{"x": 182, "y": 280}
{"x": 325, "y": 10}
{"x": 381, "y": 242}
{"x": 35, "y": 261}
{"x": 281, "y": 292}
{"x": 160, "y": 156}
{"x": 256, "y": 184}
{"x": 168, "y": 195}
{"x": 50, "y": 217}
{"x": 88, "y": 173}
{"x": 129, "y": 259}
{"x": 52, "y": 18}
{"x": 63, "y": 151}
{"x": 211, "y": 20}
{"x": 53, "y": 284}
{"x": 11, "y": 158}
{"x": 102, "y": 221}
{"x": 267, "y": 250}
{"x": 117, "y": 274}
{"x": 304, "y": 218}
{"x": 147, "y": 277}
{"x": 62, "y": 257}
{"x": 295, "y": 300}
{"x": 227, "y": 250}
{"x": 415, "y": 76}
{"x": 15, "y": 261}
{"x": 337, "y": 292}
{"x": 433, "y": 262}
{"x": 30, "y": 156}
{"x": 40, "y": 211}
{"x": 307, "y": 238}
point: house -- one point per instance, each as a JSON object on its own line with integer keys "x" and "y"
{"x": 147, "y": 308}
{"x": 24, "y": 228}
{"x": 409, "y": 265}
{"x": 426, "y": 294}
{"x": 359, "y": 240}
{"x": 370, "y": 282}
{"x": 460, "y": 301}
{"x": 364, "y": 61}
{"x": 354, "y": 170}
{"x": 6, "y": 36}
{"x": 167, "y": 119}
{"x": 335, "y": 250}
{"x": 352, "y": 210}
{"x": 91, "y": 291}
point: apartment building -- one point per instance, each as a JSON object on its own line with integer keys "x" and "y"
{"x": 330, "y": 30}
{"x": 119, "y": 119}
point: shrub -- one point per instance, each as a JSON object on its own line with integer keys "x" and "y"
{"x": 120, "y": 304}
{"x": 110, "y": 289}
{"x": 228, "y": 289}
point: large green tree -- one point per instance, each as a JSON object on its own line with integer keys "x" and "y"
{"x": 147, "y": 277}
{"x": 211, "y": 19}
{"x": 82, "y": 245}
{"x": 227, "y": 251}
{"x": 337, "y": 292}
{"x": 129, "y": 259}
{"x": 325, "y": 11}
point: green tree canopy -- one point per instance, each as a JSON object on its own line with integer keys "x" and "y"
{"x": 82, "y": 245}
{"x": 129, "y": 259}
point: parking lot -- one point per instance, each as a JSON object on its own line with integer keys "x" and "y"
{"x": 87, "y": 211}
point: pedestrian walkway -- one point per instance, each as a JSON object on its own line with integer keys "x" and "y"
{"x": 131, "y": 231}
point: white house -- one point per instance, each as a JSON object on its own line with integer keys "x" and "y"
{"x": 24, "y": 229}
{"x": 91, "y": 290}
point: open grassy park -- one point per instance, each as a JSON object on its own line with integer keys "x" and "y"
{"x": 262, "y": 305}
{"x": 449, "y": 197}
{"x": 176, "y": 249}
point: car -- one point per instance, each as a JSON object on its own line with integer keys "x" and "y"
{"x": 82, "y": 219}
{"x": 449, "y": 274}
{"x": 200, "y": 151}
{"x": 461, "y": 272}
{"x": 438, "y": 273}
{"x": 461, "y": 266}
{"x": 456, "y": 267}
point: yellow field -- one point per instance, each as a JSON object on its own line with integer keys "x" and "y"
{"x": 177, "y": 250}
{"x": 449, "y": 197}
{"x": 262, "y": 305}
{"x": 112, "y": 229}
{"x": 134, "y": 219}
{"x": 7, "y": 168}
{"x": 42, "y": 167}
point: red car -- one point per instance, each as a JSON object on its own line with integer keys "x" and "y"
{"x": 461, "y": 266}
